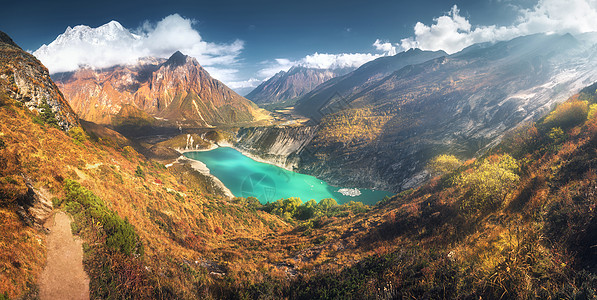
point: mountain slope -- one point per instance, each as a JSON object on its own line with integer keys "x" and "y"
{"x": 137, "y": 218}
{"x": 291, "y": 84}
{"x": 177, "y": 91}
{"x": 353, "y": 82}
{"x": 459, "y": 104}
{"x": 19, "y": 70}
{"x": 530, "y": 239}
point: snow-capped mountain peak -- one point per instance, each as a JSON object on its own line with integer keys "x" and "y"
{"x": 64, "y": 53}
{"x": 111, "y": 31}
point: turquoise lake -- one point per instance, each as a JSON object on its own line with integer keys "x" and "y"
{"x": 246, "y": 177}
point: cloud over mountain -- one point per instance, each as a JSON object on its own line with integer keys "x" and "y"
{"x": 322, "y": 61}
{"x": 112, "y": 44}
{"x": 453, "y": 32}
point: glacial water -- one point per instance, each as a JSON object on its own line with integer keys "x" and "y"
{"x": 246, "y": 177}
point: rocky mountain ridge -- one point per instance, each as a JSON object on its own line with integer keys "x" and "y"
{"x": 177, "y": 92}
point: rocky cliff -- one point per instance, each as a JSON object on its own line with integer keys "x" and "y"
{"x": 24, "y": 78}
{"x": 281, "y": 146}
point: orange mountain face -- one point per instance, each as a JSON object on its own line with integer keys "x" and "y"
{"x": 177, "y": 91}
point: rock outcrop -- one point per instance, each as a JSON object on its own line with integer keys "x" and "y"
{"x": 281, "y": 146}
{"x": 35, "y": 206}
{"x": 25, "y": 79}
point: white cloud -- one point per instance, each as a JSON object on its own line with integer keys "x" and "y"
{"x": 336, "y": 61}
{"x": 275, "y": 66}
{"x": 223, "y": 74}
{"x": 112, "y": 44}
{"x": 452, "y": 32}
{"x": 386, "y": 47}
{"x": 244, "y": 84}
{"x": 319, "y": 61}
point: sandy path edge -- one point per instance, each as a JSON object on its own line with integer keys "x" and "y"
{"x": 63, "y": 276}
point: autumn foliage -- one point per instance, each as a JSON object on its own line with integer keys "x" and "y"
{"x": 487, "y": 185}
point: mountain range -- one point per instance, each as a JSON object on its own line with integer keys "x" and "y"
{"x": 385, "y": 120}
{"x": 292, "y": 84}
{"x": 313, "y": 104}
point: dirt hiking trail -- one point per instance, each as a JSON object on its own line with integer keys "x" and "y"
{"x": 63, "y": 276}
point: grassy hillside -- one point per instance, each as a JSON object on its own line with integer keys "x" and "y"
{"x": 148, "y": 231}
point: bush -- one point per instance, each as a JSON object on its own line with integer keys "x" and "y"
{"x": 47, "y": 116}
{"x": 120, "y": 234}
{"x": 443, "y": 164}
{"x": 286, "y": 208}
{"x": 487, "y": 185}
{"x": 78, "y": 134}
{"x": 326, "y": 204}
{"x": 567, "y": 115}
{"x": 556, "y": 134}
{"x": 305, "y": 212}
{"x": 521, "y": 140}
{"x": 356, "y": 207}
{"x": 139, "y": 172}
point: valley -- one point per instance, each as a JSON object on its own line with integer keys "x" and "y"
{"x": 412, "y": 174}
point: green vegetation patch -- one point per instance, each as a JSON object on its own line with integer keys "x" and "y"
{"x": 120, "y": 234}
{"x": 113, "y": 250}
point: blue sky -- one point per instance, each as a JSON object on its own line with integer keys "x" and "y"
{"x": 260, "y": 37}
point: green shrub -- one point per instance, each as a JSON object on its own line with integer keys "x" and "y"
{"x": 286, "y": 208}
{"x": 443, "y": 164}
{"x": 47, "y": 116}
{"x": 556, "y": 134}
{"x": 139, "y": 172}
{"x": 356, "y": 207}
{"x": 78, "y": 134}
{"x": 120, "y": 234}
{"x": 326, "y": 204}
{"x": 305, "y": 212}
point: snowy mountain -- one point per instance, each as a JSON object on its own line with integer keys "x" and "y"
{"x": 82, "y": 45}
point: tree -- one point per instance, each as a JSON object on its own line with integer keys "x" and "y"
{"x": 325, "y": 204}
{"x": 567, "y": 115}
{"x": 487, "y": 186}
{"x": 306, "y": 211}
{"x": 139, "y": 172}
{"x": 47, "y": 115}
{"x": 443, "y": 164}
{"x": 287, "y": 208}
